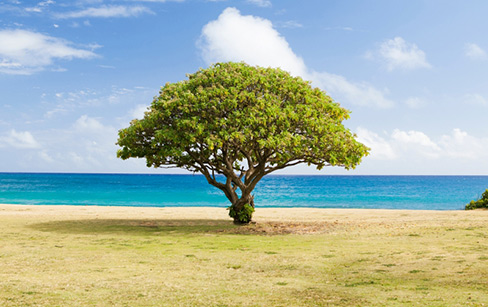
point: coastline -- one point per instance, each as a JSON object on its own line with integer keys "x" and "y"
{"x": 303, "y": 215}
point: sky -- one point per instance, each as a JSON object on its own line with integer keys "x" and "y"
{"x": 414, "y": 74}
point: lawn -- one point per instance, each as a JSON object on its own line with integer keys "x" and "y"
{"x": 115, "y": 256}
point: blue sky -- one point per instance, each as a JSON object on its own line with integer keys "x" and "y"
{"x": 413, "y": 73}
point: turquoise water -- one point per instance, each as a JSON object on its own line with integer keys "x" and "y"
{"x": 389, "y": 192}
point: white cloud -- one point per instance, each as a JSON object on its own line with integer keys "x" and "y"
{"x": 21, "y": 140}
{"x": 138, "y": 111}
{"x": 418, "y": 141}
{"x": 234, "y": 37}
{"x": 79, "y": 102}
{"x": 361, "y": 94}
{"x": 416, "y": 146}
{"x": 46, "y": 157}
{"x": 261, "y": 3}
{"x": 459, "y": 144}
{"x": 107, "y": 12}
{"x": 59, "y": 69}
{"x": 380, "y": 148}
{"x": 77, "y": 159}
{"x": 34, "y": 9}
{"x": 26, "y": 52}
{"x": 339, "y": 28}
{"x": 88, "y": 144}
{"x": 415, "y": 102}
{"x": 39, "y": 7}
{"x": 290, "y": 24}
{"x": 398, "y": 54}
{"x": 107, "y": 66}
{"x": 117, "y": 94}
{"x": 54, "y": 112}
{"x": 85, "y": 123}
{"x": 475, "y": 99}
{"x": 474, "y": 52}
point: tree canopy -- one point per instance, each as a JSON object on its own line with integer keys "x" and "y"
{"x": 242, "y": 122}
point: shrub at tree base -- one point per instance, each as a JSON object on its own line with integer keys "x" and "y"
{"x": 235, "y": 124}
{"x": 480, "y": 203}
{"x": 242, "y": 217}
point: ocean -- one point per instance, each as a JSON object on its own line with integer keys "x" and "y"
{"x": 149, "y": 190}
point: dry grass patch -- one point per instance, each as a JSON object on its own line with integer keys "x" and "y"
{"x": 285, "y": 228}
{"x": 78, "y": 256}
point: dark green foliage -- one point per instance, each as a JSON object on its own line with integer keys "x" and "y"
{"x": 242, "y": 216}
{"x": 241, "y": 122}
{"x": 480, "y": 203}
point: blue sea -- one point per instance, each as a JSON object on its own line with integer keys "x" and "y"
{"x": 144, "y": 190}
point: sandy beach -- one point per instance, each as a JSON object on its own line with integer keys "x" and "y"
{"x": 261, "y": 214}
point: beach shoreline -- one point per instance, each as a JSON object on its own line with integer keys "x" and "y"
{"x": 317, "y": 215}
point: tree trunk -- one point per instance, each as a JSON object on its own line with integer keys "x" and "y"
{"x": 242, "y": 209}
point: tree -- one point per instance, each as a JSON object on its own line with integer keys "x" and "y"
{"x": 235, "y": 124}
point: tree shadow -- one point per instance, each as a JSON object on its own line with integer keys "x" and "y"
{"x": 181, "y": 226}
{"x": 136, "y": 226}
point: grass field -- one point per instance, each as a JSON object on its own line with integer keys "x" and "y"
{"x": 115, "y": 256}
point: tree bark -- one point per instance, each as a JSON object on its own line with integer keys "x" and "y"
{"x": 242, "y": 209}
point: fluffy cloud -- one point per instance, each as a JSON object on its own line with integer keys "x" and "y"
{"x": 380, "y": 148}
{"x": 416, "y": 145}
{"x": 459, "y": 144}
{"x": 21, "y": 140}
{"x": 474, "y": 52}
{"x": 107, "y": 11}
{"x": 234, "y": 37}
{"x": 75, "y": 134}
{"x": 361, "y": 94}
{"x": 26, "y": 52}
{"x": 88, "y": 144}
{"x": 417, "y": 141}
{"x": 398, "y": 54}
{"x": 80, "y": 141}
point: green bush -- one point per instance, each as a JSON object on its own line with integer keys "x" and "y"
{"x": 242, "y": 216}
{"x": 480, "y": 203}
